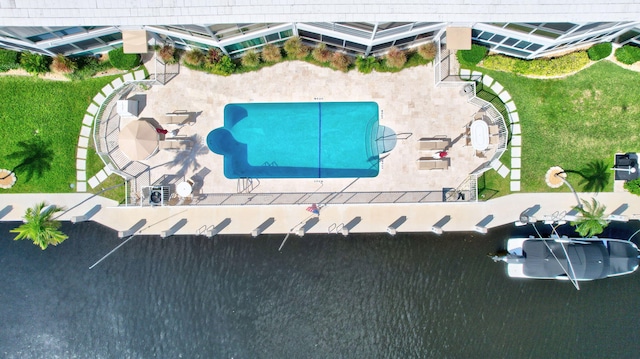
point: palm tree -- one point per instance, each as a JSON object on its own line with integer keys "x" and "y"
{"x": 39, "y": 227}
{"x": 591, "y": 221}
{"x": 35, "y": 157}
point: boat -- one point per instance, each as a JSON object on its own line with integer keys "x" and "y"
{"x": 573, "y": 259}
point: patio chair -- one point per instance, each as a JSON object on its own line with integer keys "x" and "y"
{"x": 176, "y": 145}
{"x": 433, "y": 144}
{"x": 428, "y": 163}
{"x": 174, "y": 118}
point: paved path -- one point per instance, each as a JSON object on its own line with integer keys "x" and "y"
{"x": 183, "y": 220}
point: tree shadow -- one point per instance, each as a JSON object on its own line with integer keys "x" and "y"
{"x": 594, "y": 177}
{"x": 189, "y": 159}
{"x": 35, "y": 157}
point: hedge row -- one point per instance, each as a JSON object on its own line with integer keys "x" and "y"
{"x": 538, "y": 67}
{"x": 75, "y": 68}
{"x": 295, "y": 49}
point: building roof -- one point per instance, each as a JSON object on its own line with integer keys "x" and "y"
{"x": 157, "y": 12}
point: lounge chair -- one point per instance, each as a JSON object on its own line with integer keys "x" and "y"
{"x": 433, "y": 144}
{"x": 174, "y": 118}
{"x": 176, "y": 145}
{"x": 428, "y": 163}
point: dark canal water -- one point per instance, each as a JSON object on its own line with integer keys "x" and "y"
{"x": 365, "y": 296}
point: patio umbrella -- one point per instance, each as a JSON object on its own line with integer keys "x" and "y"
{"x": 138, "y": 140}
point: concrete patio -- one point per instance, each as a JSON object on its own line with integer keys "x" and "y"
{"x": 409, "y": 104}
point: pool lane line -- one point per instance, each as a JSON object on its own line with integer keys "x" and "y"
{"x": 319, "y": 139}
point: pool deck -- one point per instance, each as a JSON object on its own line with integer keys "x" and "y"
{"x": 409, "y": 104}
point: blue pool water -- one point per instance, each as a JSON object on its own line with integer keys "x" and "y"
{"x": 298, "y": 140}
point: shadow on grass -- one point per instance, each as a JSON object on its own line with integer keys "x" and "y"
{"x": 594, "y": 177}
{"x": 34, "y": 156}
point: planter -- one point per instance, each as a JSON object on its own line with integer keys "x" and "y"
{"x": 9, "y": 181}
{"x": 554, "y": 177}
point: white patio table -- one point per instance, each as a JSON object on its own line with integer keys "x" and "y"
{"x": 183, "y": 189}
{"x": 479, "y": 135}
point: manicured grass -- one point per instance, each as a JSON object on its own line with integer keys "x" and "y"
{"x": 53, "y": 112}
{"x": 574, "y": 121}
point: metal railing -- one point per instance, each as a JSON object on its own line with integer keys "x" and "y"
{"x": 290, "y": 198}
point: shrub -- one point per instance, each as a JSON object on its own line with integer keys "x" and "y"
{"x": 633, "y": 186}
{"x": 8, "y": 60}
{"x": 600, "y": 51}
{"x": 472, "y": 57}
{"x": 366, "y": 64}
{"x": 628, "y": 54}
{"x": 395, "y": 57}
{"x": 295, "y": 48}
{"x": 250, "y": 59}
{"x": 63, "y": 65}
{"x": 88, "y": 66}
{"x": 122, "y": 61}
{"x": 271, "y": 53}
{"x": 539, "y": 67}
{"x": 34, "y": 63}
{"x": 214, "y": 55}
{"x": 168, "y": 54}
{"x": 428, "y": 51}
{"x": 340, "y": 61}
{"x": 194, "y": 57}
{"x": 225, "y": 66}
{"x": 321, "y": 53}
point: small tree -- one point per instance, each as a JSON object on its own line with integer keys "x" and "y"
{"x": 39, "y": 226}
{"x": 395, "y": 57}
{"x": 591, "y": 221}
{"x": 271, "y": 53}
{"x": 250, "y": 58}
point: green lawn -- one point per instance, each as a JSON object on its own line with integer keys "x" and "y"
{"x": 572, "y": 122}
{"x": 47, "y": 111}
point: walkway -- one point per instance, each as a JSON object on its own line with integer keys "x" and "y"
{"x": 86, "y": 133}
{"x": 196, "y": 220}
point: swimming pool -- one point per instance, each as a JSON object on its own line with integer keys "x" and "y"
{"x": 298, "y": 140}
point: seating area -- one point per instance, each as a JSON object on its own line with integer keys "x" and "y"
{"x": 434, "y": 143}
{"x": 174, "y": 118}
{"x": 428, "y": 163}
{"x": 174, "y": 144}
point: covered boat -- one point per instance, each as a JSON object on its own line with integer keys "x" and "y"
{"x": 574, "y": 259}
